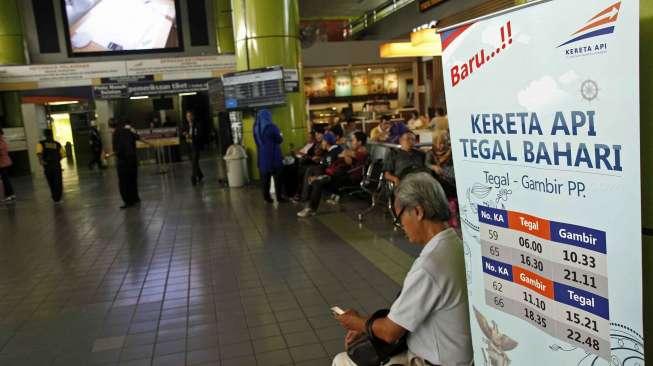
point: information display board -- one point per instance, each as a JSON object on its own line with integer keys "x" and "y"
{"x": 254, "y": 88}
{"x": 544, "y": 124}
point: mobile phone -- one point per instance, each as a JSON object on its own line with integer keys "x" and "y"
{"x": 337, "y": 311}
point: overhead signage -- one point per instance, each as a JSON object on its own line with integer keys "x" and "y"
{"x": 175, "y": 68}
{"x": 548, "y": 177}
{"x": 31, "y": 77}
{"x": 118, "y": 91}
{"x": 425, "y": 5}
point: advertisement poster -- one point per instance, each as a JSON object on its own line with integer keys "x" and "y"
{"x": 545, "y": 136}
{"x": 391, "y": 83}
{"x": 359, "y": 83}
{"x": 376, "y": 81}
{"x": 343, "y": 85}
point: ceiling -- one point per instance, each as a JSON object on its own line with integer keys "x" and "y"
{"x": 336, "y": 8}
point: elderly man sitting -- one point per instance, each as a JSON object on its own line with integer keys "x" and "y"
{"x": 432, "y": 305}
{"x": 402, "y": 161}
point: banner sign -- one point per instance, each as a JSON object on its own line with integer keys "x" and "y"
{"x": 176, "y": 68}
{"x": 33, "y": 77}
{"x": 117, "y": 91}
{"x": 545, "y": 137}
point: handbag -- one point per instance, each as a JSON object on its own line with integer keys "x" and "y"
{"x": 371, "y": 351}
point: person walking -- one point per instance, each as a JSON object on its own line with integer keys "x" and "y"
{"x": 270, "y": 162}
{"x": 124, "y": 148}
{"x": 5, "y": 163}
{"x": 95, "y": 142}
{"x": 196, "y": 143}
{"x": 50, "y": 154}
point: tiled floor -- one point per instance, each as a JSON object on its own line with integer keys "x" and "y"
{"x": 195, "y": 276}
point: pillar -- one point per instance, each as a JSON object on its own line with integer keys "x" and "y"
{"x": 646, "y": 125}
{"x": 267, "y": 34}
{"x": 224, "y": 26}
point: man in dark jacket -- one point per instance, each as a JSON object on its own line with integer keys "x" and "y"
{"x": 124, "y": 148}
{"x": 95, "y": 141}
{"x": 50, "y": 154}
{"x": 270, "y": 161}
{"x": 194, "y": 139}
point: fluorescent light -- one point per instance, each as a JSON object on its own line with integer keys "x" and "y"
{"x": 65, "y": 102}
{"x": 406, "y": 49}
{"x": 141, "y": 97}
{"x": 185, "y": 94}
{"x": 423, "y": 43}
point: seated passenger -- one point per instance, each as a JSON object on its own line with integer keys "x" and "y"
{"x": 381, "y": 133}
{"x": 440, "y": 121}
{"x": 415, "y": 122}
{"x": 330, "y": 155}
{"x": 397, "y": 130}
{"x": 337, "y": 131}
{"x": 345, "y": 171}
{"x": 310, "y": 155}
{"x": 440, "y": 163}
{"x": 432, "y": 305}
{"x": 405, "y": 160}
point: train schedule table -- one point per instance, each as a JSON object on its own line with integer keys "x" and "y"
{"x": 552, "y": 275}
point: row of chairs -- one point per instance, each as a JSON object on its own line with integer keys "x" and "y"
{"x": 374, "y": 185}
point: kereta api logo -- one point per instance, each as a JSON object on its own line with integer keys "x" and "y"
{"x": 603, "y": 23}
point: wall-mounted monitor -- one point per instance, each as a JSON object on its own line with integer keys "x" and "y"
{"x": 254, "y": 88}
{"x": 108, "y": 27}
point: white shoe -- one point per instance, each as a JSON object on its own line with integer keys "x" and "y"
{"x": 11, "y": 198}
{"x": 307, "y": 212}
{"x": 334, "y": 200}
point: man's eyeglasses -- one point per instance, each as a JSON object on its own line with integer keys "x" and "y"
{"x": 397, "y": 218}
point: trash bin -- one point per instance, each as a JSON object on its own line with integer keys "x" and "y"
{"x": 236, "y": 159}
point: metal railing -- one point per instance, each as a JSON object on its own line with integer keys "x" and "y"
{"x": 373, "y": 16}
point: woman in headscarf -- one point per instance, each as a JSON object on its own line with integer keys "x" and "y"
{"x": 270, "y": 161}
{"x": 439, "y": 161}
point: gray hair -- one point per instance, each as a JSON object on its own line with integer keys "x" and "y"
{"x": 421, "y": 189}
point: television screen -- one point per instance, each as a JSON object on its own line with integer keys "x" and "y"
{"x": 162, "y": 104}
{"x": 101, "y": 27}
{"x": 254, "y": 88}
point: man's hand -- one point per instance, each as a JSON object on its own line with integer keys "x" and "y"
{"x": 351, "y": 337}
{"x": 352, "y": 320}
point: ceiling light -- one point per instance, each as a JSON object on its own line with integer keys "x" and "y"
{"x": 423, "y": 43}
{"x": 64, "y": 102}
{"x": 406, "y": 49}
{"x": 187, "y": 94}
{"x": 140, "y": 97}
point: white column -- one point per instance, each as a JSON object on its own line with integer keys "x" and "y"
{"x": 34, "y": 123}
{"x": 104, "y": 111}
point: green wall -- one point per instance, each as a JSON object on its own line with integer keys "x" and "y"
{"x": 224, "y": 26}
{"x": 646, "y": 99}
{"x": 12, "y": 110}
{"x": 12, "y": 51}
